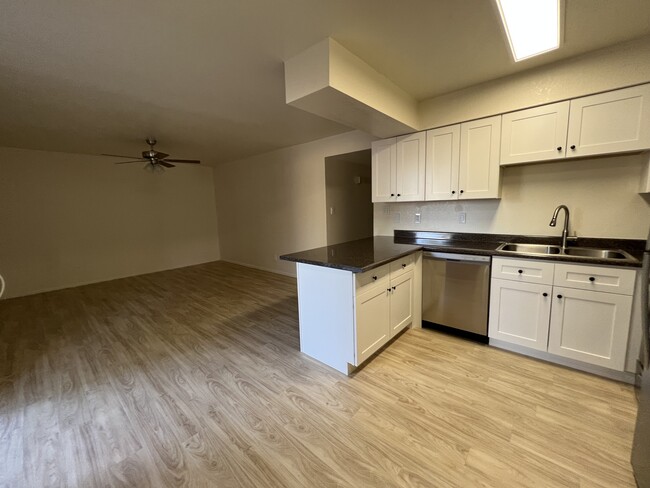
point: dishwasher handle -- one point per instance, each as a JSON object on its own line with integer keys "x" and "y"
{"x": 463, "y": 258}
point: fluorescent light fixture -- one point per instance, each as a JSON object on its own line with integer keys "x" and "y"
{"x": 532, "y": 26}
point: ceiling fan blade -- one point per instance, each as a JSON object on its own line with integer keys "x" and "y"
{"x": 166, "y": 164}
{"x": 193, "y": 161}
{"x": 160, "y": 155}
{"x": 119, "y": 156}
{"x": 134, "y": 161}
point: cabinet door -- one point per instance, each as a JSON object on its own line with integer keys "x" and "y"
{"x": 590, "y": 326}
{"x": 372, "y": 322}
{"x": 479, "y": 158}
{"x": 410, "y": 164}
{"x": 401, "y": 302}
{"x": 611, "y": 122}
{"x": 536, "y": 134}
{"x": 519, "y": 313}
{"x": 442, "y": 159}
{"x": 383, "y": 170}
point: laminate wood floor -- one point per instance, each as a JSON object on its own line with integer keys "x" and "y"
{"x": 193, "y": 377}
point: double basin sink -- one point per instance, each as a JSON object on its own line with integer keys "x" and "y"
{"x": 558, "y": 251}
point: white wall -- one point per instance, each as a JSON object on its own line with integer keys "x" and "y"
{"x": 71, "y": 219}
{"x": 614, "y": 67}
{"x": 274, "y": 203}
{"x": 600, "y": 193}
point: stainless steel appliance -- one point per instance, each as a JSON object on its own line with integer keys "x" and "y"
{"x": 455, "y": 293}
{"x": 641, "y": 445}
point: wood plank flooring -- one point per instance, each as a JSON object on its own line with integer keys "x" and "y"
{"x": 193, "y": 377}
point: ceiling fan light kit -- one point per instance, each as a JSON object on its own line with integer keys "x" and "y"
{"x": 156, "y": 161}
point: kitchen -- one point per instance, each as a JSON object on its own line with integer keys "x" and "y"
{"x": 205, "y": 358}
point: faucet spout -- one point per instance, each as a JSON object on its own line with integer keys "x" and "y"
{"x": 565, "y": 230}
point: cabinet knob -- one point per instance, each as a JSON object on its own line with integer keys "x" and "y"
{"x": 462, "y": 191}
{"x": 544, "y": 294}
{"x": 392, "y": 194}
{"x": 573, "y": 146}
{"x": 559, "y": 296}
{"x": 388, "y": 290}
{"x": 453, "y": 192}
{"x": 559, "y": 148}
{"x": 403, "y": 266}
{"x": 591, "y": 278}
{"x": 394, "y": 288}
{"x": 374, "y": 278}
{"x": 520, "y": 271}
{"x": 399, "y": 194}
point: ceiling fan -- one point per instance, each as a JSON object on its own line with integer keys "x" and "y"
{"x": 156, "y": 161}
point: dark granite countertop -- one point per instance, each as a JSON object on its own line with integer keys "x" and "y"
{"x": 364, "y": 254}
{"x": 356, "y": 256}
{"x": 486, "y": 245}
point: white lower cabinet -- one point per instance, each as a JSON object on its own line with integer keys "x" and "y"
{"x": 590, "y": 326}
{"x": 381, "y": 312}
{"x": 401, "y": 302}
{"x": 373, "y": 326}
{"x": 573, "y": 318}
{"x": 519, "y": 313}
{"x": 346, "y": 317}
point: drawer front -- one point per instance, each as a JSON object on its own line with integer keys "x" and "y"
{"x": 402, "y": 265}
{"x": 595, "y": 278}
{"x": 523, "y": 270}
{"x": 368, "y": 279}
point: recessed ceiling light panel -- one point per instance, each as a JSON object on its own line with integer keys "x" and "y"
{"x": 532, "y": 26}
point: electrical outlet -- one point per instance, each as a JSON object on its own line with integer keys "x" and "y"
{"x": 462, "y": 218}
{"x": 386, "y": 210}
{"x": 418, "y": 218}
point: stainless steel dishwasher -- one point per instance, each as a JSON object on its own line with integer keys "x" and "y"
{"x": 455, "y": 293}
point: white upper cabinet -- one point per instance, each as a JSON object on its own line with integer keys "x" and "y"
{"x": 398, "y": 168}
{"x": 383, "y": 170}
{"x": 611, "y": 122}
{"x": 442, "y": 161}
{"x": 462, "y": 160}
{"x": 536, "y": 134}
{"x": 410, "y": 164}
{"x": 478, "y": 171}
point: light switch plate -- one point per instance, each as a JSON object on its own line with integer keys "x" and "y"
{"x": 462, "y": 218}
{"x": 418, "y": 218}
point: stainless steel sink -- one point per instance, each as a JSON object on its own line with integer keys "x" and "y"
{"x": 587, "y": 252}
{"x": 557, "y": 251}
{"x": 529, "y": 248}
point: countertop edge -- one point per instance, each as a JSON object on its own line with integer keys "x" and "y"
{"x": 354, "y": 269}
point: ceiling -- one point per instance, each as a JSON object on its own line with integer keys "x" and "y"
{"x": 206, "y": 76}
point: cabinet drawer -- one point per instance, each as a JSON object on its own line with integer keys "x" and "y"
{"x": 595, "y": 278}
{"x": 402, "y": 265}
{"x": 526, "y": 270}
{"x": 368, "y": 279}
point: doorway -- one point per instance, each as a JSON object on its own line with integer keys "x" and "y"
{"x": 348, "y": 196}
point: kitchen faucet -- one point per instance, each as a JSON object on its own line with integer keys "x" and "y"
{"x": 565, "y": 231}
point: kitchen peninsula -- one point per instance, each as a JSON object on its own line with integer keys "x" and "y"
{"x": 355, "y": 297}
